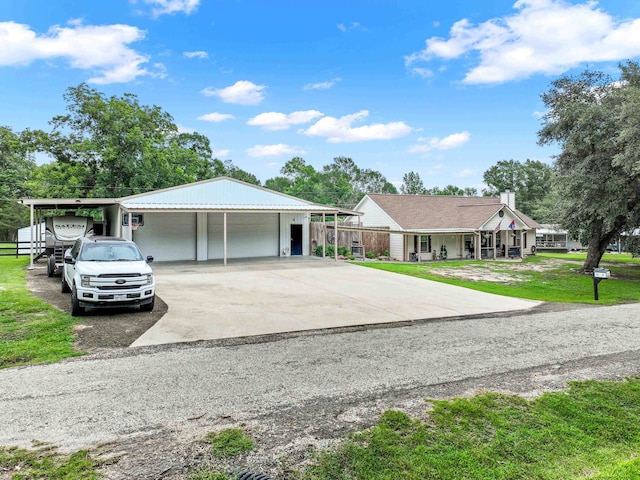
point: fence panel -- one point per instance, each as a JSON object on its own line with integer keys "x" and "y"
{"x": 372, "y": 241}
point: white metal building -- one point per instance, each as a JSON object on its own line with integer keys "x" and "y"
{"x": 220, "y": 218}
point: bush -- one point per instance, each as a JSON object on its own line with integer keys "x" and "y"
{"x": 329, "y": 250}
{"x": 370, "y": 254}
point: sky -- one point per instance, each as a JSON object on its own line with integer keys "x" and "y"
{"x": 445, "y": 89}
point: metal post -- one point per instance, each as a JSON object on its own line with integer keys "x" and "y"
{"x": 335, "y": 237}
{"x": 31, "y": 235}
{"x": 596, "y": 281}
{"x": 129, "y": 227}
{"x": 324, "y": 236}
{"x": 224, "y": 237}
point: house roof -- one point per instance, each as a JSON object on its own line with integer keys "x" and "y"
{"x": 442, "y": 212}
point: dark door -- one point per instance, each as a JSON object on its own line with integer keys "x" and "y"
{"x": 296, "y": 239}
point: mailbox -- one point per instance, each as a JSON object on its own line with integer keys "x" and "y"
{"x": 599, "y": 274}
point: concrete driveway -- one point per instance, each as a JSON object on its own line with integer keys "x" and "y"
{"x": 209, "y": 301}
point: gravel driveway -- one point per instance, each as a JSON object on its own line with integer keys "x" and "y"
{"x": 154, "y": 404}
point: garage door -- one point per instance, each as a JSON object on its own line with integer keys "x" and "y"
{"x": 248, "y": 235}
{"x": 167, "y": 236}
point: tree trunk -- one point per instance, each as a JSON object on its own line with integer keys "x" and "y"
{"x": 594, "y": 254}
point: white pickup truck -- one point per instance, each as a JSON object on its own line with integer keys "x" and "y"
{"x": 107, "y": 272}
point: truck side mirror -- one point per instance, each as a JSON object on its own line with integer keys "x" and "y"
{"x": 149, "y": 258}
{"x": 69, "y": 259}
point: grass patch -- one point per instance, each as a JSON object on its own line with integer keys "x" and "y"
{"x": 31, "y": 331}
{"x": 47, "y": 464}
{"x": 591, "y": 431}
{"x": 229, "y": 442}
{"x": 551, "y": 278}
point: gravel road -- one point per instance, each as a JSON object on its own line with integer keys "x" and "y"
{"x": 153, "y": 404}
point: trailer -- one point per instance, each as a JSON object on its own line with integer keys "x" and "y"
{"x": 60, "y": 233}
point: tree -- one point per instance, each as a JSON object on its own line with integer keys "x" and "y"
{"x": 530, "y": 181}
{"x": 228, "y": 169}
{"x": 116, "y": 147}
{"x": 15, "y": 169}
{"x": 412, "y": 184}
{"x": 595, "y": 121}
{"x": 341, "y": 183}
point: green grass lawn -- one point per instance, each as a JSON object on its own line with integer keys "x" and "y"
{"x": 559, "y": 281}
{"x": 592, "y": 431}
{"x": 31, "y": 331}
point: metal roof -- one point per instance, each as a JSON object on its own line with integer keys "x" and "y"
{"x": 68, "y": 203}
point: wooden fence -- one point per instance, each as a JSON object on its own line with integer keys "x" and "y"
{"x": 375, "y": 242}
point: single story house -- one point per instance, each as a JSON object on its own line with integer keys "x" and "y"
{"x": 219, "y": 218}
{"x": 552, "y": 238}
{"x": 430, "y": 227}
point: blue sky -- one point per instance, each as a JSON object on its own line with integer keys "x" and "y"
{"x": 445, "y": 89}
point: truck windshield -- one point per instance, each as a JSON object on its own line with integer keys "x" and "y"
{"x": 109, "y": 252}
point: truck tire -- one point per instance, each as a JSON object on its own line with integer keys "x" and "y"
{"x": 147, "y": 307}
{"x": 64, "y": 286}
{"x": 76, "y": 309}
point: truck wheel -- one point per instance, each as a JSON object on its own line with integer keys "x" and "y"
{"x": 76, "y": 309}
{"x": 65, "y": 286}
{"x": 147, "y": 307}
{"x": 51, "y": 266}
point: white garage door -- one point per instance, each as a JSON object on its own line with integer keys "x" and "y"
{"x": 248, "y": 235}
{"x": 167, "y": 236}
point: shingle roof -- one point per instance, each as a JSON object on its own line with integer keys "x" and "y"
{"x": 435, "y": 212}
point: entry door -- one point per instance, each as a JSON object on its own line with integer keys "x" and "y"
{"x": 296, "y": 239}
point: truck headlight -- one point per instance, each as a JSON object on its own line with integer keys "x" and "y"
{"x": 85, "y": 280}
{"x": 149, "y": 279}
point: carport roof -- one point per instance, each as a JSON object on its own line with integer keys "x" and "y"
{"x": 68, "y": 203}
{"x": 223, "y": 194}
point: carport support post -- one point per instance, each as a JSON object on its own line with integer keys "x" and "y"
{"x": 224, "y": 238}
{"x": 324, "y": 236}
{"x": 31, "y": 234}
{"x": 335, "y": 237}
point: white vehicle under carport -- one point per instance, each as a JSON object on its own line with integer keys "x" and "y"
{"x": 107, "y": 272}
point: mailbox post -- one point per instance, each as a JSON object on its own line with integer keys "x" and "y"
{"x": 599, "y": 274}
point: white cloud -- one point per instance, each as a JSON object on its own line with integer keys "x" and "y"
{"x": 162, "y": 7}
{"x": 183, "y": 129}
{"x": 281, "y": 121}
{"x": 321, "y": 85}
{"x": 338, "y": 130}
{"x": 542, "y": 36}
{"x": 454, "y": 140}
{"x": 216, "y": 117}
{"x": 196, "y": 54}
{"x": 102, "y": 50}
{"x": 242, "y": 92}
{"x": 464, "y": 173}
{"x": 422, "y": 72}
{"x": 354, "y": 26}
{"x": 273, "y": 150}
{"x": 220, "y": 153}
{"x": 272, "y": 164}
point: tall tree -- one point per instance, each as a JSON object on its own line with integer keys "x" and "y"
{"x": 412, "y": 184}
{"x": 594, "y": 119}
{"x": 120, "y": 147}
{"x": 15, "y": 168}
{"x": 530, "y": 180}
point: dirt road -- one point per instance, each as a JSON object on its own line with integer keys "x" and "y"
{"x": 153, "y": 405}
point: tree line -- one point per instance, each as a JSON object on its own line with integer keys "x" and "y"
{"x": 115, "y": 146}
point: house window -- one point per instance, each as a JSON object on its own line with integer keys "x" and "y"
{"x": 525, "y": 241}
{"x": 425, "y": 243}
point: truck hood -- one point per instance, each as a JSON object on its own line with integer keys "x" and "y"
{"x": 101, "y": 268}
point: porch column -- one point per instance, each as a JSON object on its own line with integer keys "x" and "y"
{"x": 324, "y": 236}
{"x": 522, "y": 243}
{"x": 31, "y": 235}
{"x": 224, "y": 238}
{"x": 495, "y": 253}
{"x": 335, "y": 237}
